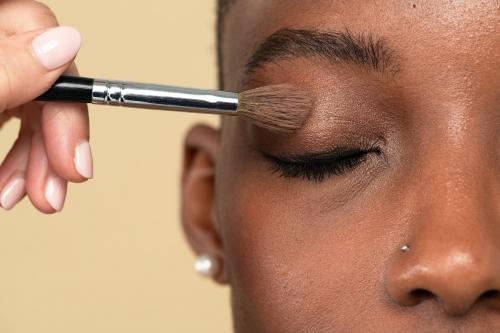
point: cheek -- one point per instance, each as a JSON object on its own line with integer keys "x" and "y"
{"x": 266, "y": 256}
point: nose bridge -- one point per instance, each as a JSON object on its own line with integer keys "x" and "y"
{"x": 456, "y": 167}
{"x": 458, "y": 190}
{"x": 458, "y": 211}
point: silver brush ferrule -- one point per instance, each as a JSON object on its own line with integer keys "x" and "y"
{"x": 161, "y": 97}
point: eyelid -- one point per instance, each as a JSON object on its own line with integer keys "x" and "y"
{"x": 339, "y": 152}
{"x": 321, "y": 157}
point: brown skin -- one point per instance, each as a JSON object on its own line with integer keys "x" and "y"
{"x": 303, "y": 256}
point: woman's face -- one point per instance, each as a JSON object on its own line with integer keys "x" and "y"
{"x": 402, "y": 148}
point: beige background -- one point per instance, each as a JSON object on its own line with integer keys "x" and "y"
{"x": 115, "y": 260}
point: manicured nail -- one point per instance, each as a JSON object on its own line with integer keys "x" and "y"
{"x": 57, "y": 46}
{"x": 83, "y": 160}
{"x": 13, "y": 192}
{"x": 55, "y": 191}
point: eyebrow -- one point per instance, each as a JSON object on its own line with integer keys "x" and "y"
{"x": 343, "y": 47}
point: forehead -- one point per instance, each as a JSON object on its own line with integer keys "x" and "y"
{"x": 459, "y": 36}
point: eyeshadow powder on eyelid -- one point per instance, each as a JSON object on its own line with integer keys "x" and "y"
{"x": 347, "y": 108}
{"x": 311, "y": 142}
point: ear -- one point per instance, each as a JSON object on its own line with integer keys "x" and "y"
{"x": 198, "y": 197}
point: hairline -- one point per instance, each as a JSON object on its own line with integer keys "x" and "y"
{"x": 222, "y": 10}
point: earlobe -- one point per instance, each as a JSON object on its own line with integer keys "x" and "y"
{"x": 198, "y": 196}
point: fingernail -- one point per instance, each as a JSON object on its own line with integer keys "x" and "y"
{"x": 83, "y": 160}
{"x": 13, "y": 192}
{"x": 57, "y": 47}
{"x": 55, "y": 191}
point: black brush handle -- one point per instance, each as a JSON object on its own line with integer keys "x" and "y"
{"x": 141, "y": 95}
{"x": 70, "y": 89}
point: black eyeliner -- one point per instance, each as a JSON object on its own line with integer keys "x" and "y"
{"x": 321, "y": 157}
{"x": 317, "y": 167}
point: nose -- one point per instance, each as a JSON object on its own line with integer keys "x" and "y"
{"x": 453, "y": 259}
{"x": 456, "y": 279}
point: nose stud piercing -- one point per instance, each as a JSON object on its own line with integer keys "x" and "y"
{"x": 405, "y": 248}
{"x": 206, "y": 265}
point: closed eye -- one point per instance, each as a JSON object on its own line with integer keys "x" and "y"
{"x": 318, "y": 167}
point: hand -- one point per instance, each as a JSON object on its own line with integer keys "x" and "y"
{"x": 52, "y": 147}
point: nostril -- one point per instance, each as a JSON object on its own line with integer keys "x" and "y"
{"x": 490, "y": 294}
{"x": 491, "y": 298}
{"x": 421, "y": 294}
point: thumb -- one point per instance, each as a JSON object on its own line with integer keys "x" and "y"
{"x": 31, "y": 62}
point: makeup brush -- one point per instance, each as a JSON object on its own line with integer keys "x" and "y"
{"x": 278, "y": 108}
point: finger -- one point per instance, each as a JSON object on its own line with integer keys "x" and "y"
{"x": 65, "y": 129}
{"x": 46, "y": 190}
{"x": 31, "y": 62}
{"x": 35, "y": 15}
{"x": 13, "y": 172}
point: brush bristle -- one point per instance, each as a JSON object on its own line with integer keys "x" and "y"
{"x": 278, "y": 108}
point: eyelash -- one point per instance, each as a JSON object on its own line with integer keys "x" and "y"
{"x": 319, "y": 167}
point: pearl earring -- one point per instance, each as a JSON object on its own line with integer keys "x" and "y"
{"x": 206, "y": 265}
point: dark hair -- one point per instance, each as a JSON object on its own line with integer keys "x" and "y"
{"x": 222, "y": 7}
